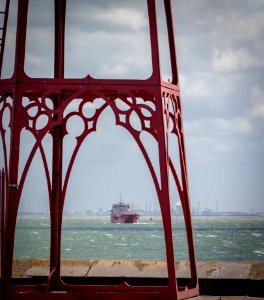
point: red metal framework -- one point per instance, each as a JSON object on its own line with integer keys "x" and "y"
{"x": 156, "y": 103}
{"x": 3, "y": 25}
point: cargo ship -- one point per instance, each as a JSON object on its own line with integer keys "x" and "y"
{"x": 121, "y": 213}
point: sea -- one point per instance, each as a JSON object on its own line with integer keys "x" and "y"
{"x": 217, "y": 238}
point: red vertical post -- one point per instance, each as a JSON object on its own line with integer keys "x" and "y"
{"x": 57, "y": 135}
{"x": 4, "y": 13}
{"x": 2, "y": 227}
{"x": 16, "y": 124}
{"x": 164, "y": 197}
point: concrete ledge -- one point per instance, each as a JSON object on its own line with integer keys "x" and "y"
{"x": 27, "y": 268}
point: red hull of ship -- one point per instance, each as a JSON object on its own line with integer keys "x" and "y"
{"x": 125, "y": 218}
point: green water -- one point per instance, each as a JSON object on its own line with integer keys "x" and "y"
{"x": 237, "y": 239}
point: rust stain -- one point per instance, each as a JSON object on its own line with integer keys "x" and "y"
{"x": 257, "y": 271}
{"x": 140, "y": 265}
{"x": 115, "y": 263}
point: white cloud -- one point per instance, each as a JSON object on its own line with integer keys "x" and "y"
{"x": 204, "y": 89}
{"x": 196, "y": 85}
{"x": 246, "y": 28}
{"x": 211, "y": 138}
{"x": 118, "y": 70}
{"x": 225, "y": 146}
{"x": 257, "y": 110}
{"x": 258, "y": 95}
{"x": 34, "y": 61}
{"x": 115, "y": 55}
{"x": 233, "y": 60}
{"x": 124, "y": 17}
{"x": 219, "y": 126}
{"x": 236, "y": 125}
{"x": 206, "y": 149}
{"x": 198, "y": 88}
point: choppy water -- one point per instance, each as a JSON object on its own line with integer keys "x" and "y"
{"x": 237, "y": 239}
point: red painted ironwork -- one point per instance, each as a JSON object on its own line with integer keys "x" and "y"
{"x": 3, "y": 25}
{"x": 155, "y": 102}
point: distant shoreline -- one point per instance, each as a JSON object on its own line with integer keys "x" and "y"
{"x": 220, "y": 214}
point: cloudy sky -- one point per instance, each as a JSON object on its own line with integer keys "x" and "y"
{"x": 220, "y": 47}
{"x": 220, "y": 52}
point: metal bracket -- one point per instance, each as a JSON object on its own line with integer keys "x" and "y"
{"x": 13, "y": 185}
